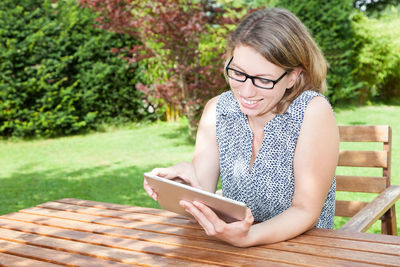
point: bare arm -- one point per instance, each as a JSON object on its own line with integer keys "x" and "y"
{"x": 206, "y": 153}
{"x": 314, "y": 165}
{"x": 203, "y": 171}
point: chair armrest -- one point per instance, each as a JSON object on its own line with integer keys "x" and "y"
{"x": 373, "y": 211}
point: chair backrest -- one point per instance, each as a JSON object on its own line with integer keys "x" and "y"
{"x": 362, "y": 158}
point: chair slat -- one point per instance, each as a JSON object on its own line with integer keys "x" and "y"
{"x": 376, "y": 208}
{"x": 360, "y": 184}
{"x": 363, "y": 158}
{"x": 365, "y": 214}
{"x": 378, "y": 133}
{"x": 348, "y": 208}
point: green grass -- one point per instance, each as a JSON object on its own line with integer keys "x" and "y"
{"x": 101, "y": 166}
{"x": 108, "y": 166}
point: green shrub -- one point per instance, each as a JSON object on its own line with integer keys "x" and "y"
{"x": 57, "y": 75}
{"x": 330, "y": 24}
{"x": 378, "y": 46}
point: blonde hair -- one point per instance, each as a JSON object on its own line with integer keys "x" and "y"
{"x": 282, "y": 39}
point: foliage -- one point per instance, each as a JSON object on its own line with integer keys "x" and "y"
{"x": 378, "y": 46}
{"x": 374, "y": 7}
{"x": 57, "y": 75}
{"x": 329, "y": 22}
{"x": 177, "y": 34}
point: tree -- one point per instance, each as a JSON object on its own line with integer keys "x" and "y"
{"x": 182, "y": 43}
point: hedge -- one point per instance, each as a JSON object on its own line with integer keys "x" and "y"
{"x": 57, "y": 75}
{"x": 378, "y": 57}
{"x": 330, "y": 24}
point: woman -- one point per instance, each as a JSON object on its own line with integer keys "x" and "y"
{"x": 272, "y": 139}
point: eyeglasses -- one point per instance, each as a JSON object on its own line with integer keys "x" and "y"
{"x": 257, "y": 81}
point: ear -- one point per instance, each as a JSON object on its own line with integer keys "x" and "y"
{"x": 294, "y": 75}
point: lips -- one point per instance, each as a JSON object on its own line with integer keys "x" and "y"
{"x": 250, "y": 102}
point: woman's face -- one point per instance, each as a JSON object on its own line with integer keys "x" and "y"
{"x": 256, "y": 102}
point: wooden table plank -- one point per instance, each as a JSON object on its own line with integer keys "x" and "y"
{"x": 16, "y": 261}
{"x": 93, "y": 254}
{"x": 128, "y": 215}
{"x": 338, "y": 253}
{"x": 192, "y": 230}
{"x": 367, "y": 246}
{"x": 135, "y": 235}
{"x": 220, "y": 249}
{"x": 177, "y": 251}
{"x": 53, "y": 256}
{"x": 111, "y": 206}
{"x": 103, "y": 224}
{"x": 374, "y": 238}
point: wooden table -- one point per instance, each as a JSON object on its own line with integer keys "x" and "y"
{"x": 86, "y": 233}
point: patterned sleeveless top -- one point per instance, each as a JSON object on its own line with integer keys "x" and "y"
{"x": 268, "y": 187}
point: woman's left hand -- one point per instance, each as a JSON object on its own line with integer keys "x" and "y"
{"x": 236, "y": 233}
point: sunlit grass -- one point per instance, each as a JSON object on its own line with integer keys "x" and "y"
{"x": 101, "y": 166}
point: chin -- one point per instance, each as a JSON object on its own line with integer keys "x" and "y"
{"x": 250, "y": 112}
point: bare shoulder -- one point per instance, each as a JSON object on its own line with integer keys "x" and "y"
{"x": 207, "y": 125}
{"x": 214, "y": 100}
{"x": 319, "y": 112}
{"x": 319, "y": 104}
{"x": 209, "y": 112}
{"x": 319, "y": 120}
{"x": 212, "y": 103}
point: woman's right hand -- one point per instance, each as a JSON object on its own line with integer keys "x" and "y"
{"x": 182, "y": 172}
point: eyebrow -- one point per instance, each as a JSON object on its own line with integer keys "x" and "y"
{"x": 258, "y": 75}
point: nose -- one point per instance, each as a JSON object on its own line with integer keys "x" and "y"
{"x": 247, "y": 89}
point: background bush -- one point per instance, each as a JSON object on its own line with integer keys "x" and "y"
{"x": 362, "y": 51}
{"x": 57, "y": 75}
{"x": 377, "y": 40}
{"x": 330, "y": 24}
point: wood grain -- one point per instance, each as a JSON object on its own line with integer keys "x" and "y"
{"x": 86, "y": 233}
{"x": 364, "y": 133}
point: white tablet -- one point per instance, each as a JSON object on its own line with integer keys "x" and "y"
{"x": 170, "y": 193}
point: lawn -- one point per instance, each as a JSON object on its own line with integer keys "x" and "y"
{"x": 105, "y": 166}
{"x": 108, "y": 166}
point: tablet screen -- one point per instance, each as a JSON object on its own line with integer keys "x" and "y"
{"x": 170, "y": 193}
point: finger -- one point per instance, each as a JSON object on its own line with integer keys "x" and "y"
{"x": 186, "y": 205}
{"x": 152, "y": 194}
{"x": 149, "y": 190}
{"x": 249, "y": 219}
{"x": 170, "y": 173}
{"x": 218, "y": 224}
{"x": 180, "y": 180}
{"x": 192, "y": 220}
{"x": 199, "y": 216}
{"x": 158, "y": 172}
{"x": 164, "y": 172}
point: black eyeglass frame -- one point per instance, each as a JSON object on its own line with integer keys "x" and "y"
{"x": 252, "y": 77}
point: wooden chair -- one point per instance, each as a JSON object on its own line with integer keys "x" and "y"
{"x": 364, "y": 214}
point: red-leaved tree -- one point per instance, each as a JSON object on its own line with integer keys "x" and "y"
{"x": 182, "y": 43}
